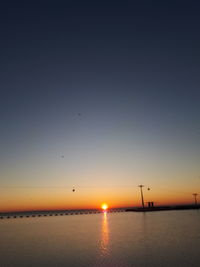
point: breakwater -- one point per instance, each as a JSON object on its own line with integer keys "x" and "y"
{"x": 32, "y": 214}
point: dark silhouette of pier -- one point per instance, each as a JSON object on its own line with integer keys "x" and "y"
{"x": 164, "y": 208}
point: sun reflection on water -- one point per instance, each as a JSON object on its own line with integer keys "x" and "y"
{"x": 104, "y": 235}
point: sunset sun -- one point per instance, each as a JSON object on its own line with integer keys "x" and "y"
{"x": 104, "y": 206}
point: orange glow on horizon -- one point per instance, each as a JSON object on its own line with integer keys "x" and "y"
{"x": 60, "y": 199}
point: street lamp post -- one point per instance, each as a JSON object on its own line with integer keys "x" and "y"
{"x": 142, "y": 197}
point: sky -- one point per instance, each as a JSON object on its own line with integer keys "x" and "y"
{"x": 99, "y": 96}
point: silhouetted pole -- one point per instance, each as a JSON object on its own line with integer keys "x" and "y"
{"x": 195, "y": 198}
{"x": 141, "y": 194}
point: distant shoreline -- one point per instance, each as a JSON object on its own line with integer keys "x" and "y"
{"x": 45, "y": 213}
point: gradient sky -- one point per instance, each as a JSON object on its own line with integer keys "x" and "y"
{"x": 100, "y": 96}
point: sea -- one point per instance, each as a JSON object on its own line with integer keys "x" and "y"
{"x": 150, "y": 239}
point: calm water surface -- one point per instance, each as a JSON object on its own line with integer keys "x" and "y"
{"x": 167, "y": 238}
